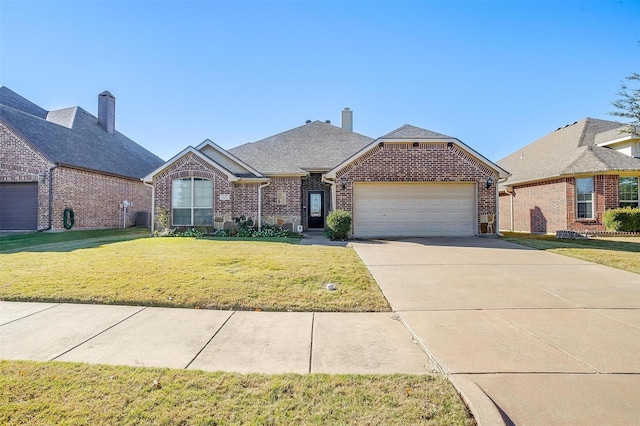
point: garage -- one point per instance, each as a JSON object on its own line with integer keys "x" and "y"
{"x": 414, "y": 209}
{"x": 18, "y": 206}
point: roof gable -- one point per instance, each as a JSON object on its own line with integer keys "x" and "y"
{"x": 315, "y": 146}
{"x": 562, "y": 152}
{"x": 72, "y": 137}
{"x": 408, "y": 131}
{"x": 225, "y": 159}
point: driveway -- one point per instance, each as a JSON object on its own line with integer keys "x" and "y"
{"x": 547, "y": 338}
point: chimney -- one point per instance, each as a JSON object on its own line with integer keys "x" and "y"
{"x": 346, "y": 119}
{"x": 107, "y": 111}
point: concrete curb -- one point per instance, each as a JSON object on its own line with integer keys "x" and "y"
{"x": 484, "y": 410}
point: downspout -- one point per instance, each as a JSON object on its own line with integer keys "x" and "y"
{"x": 264, "y": 185}
{"x": 510, "y": 205}
{"x": 153, "y": 206}
{"x": 55, "y": 166}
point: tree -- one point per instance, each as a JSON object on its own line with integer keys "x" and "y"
{"x": 628, "y": 106}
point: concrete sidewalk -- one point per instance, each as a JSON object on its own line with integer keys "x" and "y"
{"x": 261, "y": 342}
{"x": 526, "y": 336}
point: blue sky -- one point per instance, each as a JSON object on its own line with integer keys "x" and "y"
{"x": 496, "y": 75}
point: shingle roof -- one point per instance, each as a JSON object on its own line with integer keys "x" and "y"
{"x": 568, "y": 150}
{"x": 412, "y": 132}
{"x": 73, "y": 137}
{"x": 315, "y": 146}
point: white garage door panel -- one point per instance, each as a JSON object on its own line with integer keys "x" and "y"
{"x": 413, "y": 209}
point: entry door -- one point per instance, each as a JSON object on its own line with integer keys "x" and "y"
{"x": 315, "y": 209}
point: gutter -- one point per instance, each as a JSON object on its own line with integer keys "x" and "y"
{"x": 510, "y": 205}
{"x": 264, "y": 185}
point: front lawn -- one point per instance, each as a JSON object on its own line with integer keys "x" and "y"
{"x": 193, "y": 273}
{"x": 70, "y": 393}
{"x": 621, "y": 252}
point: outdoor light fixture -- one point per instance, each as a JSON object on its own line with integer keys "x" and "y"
{"x": 343, "y": 182}
{"x": 489, "y": 182}
{"x": 42, "y": 178}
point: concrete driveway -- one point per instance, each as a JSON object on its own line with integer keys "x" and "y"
{"x": 545, "y": 339}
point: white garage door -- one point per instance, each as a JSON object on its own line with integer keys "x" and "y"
{"x": 414, "y": 209}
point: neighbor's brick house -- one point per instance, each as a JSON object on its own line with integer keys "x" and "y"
{"x": 568, "y": 178}
{"x": 410, "y": 182}
{"x": 53, "y": 160}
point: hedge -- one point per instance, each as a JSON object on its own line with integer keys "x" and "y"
{"x": 339, "y": 224}
{"x": 626, "y": 219}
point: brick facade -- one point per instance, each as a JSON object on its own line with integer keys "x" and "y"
{"x": 288, "y": 208}
{"x": 94, "y": 197}
{"x": 19, "y": 162}
{"x": 550, "y": 206}
{"x": 426, "y": 162}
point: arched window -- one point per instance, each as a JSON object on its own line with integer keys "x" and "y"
{"x": 192, "y": 202}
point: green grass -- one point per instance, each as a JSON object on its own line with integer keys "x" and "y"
{"x": 71, "y": 393}
{"x": 621, "y": 253}
{"x": 193, "y": 273}
{"x": 76, "y": 239}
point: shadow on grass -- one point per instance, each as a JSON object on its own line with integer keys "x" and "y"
{"x": 553, "y": 243}
{"x": 67, "y": 241}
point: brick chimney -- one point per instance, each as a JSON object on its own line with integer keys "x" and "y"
{"x": 107, "y": 111}
{"x": 346, "y": 119}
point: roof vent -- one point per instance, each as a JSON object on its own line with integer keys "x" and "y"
{"x": 327, "y": 121}
{"x": 307, "y": 122}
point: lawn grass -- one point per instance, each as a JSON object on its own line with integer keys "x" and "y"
{"x": 72, "y": 393}
{"x": 192, "y": 273}
{"x": 92, "y": 238}
{"x": 621, "y": 253}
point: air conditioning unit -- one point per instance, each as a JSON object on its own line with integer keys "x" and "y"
{"x": 143, "y": 219}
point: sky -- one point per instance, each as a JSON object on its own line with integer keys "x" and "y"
{"x": 496, "y": 75}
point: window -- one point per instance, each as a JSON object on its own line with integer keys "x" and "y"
{"x": 192, "y": 202}
{"x": 628, "y": 191}
{"x": 584, "y": 198}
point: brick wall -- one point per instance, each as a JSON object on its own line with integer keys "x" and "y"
{"x": 21, "y": 163}
{"x": 96, "y": 198}
{"x": 427, "y": 162}
{"x": 191, "y": 165}
{"x": 274, "y": 213}
{"x": 538, "y": 207}
{"x": 550, "y": 206}
{"x": 606, "y": 196}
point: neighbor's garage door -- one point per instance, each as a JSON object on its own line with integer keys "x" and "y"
{"x": 414, "y": 209}
{"x": 19, "y": 206}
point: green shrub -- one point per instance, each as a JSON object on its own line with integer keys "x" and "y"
{"x": 626, "y": 219}
{"x": 339, "y": 224}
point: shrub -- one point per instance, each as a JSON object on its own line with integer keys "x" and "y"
{"x": 626, "y": 219}
{"x": 339, "y": 224}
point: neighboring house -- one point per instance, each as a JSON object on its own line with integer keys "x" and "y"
{"x": 568, "y": 178}
{"x": 410, "y": 182}
{"x": 68, "y": 159}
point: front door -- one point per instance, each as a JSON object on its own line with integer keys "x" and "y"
{"x": 315, "y": 209}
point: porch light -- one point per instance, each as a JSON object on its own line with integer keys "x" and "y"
{"x": 343, "y": 182}
{"x": 489, "y": 182}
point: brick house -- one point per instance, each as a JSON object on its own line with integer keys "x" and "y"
{"x": 68, "y": 159}
{"x": 568, "y": 178}
{"x": 410, "y": 182}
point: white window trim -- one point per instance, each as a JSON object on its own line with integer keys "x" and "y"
{"x": 578, "y": 202}
{"x": 637, "y": 199}
{"x": 192, "y": 208}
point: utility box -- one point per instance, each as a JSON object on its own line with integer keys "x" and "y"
{"x": 143, "y": 219}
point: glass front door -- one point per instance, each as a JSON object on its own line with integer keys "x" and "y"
{"x": 315, "y": 209}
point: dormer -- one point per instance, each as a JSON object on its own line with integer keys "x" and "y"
{"x": 624, "y": 139}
